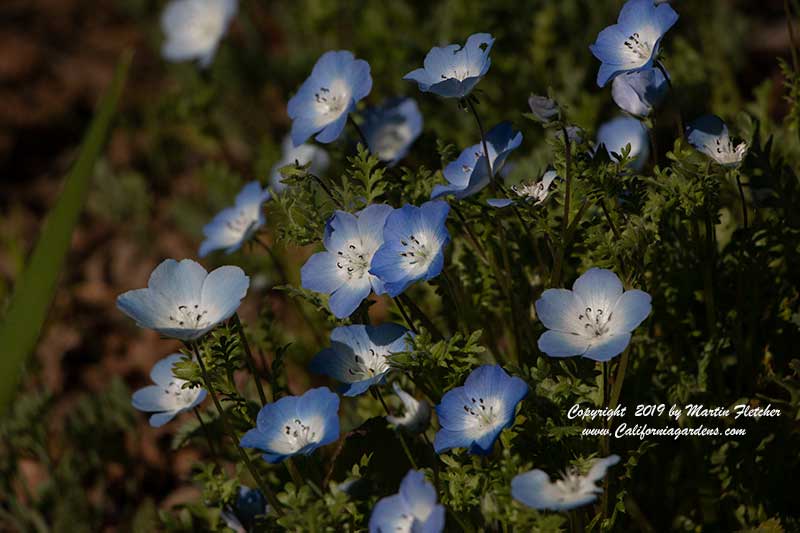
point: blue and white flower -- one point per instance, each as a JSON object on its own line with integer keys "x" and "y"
{"x": 359, "y": 356}
{"x": 535, "y": 490}
{"x": 530, "y": 193}
{"x": 469, "y": 174}
{"x": 325, "y": 100}
{"x": 414, "y": 239}
{"x": 620, "y": 132}
{"x": 249, "y": 504}
{"x": 639, "y": 92}
{"x": 416, "y": 413}
{"x": 632, "y": 43}
{"x": 452, "y": 71}
{"x": 183, "y": 301}
{"x": 412, "y": 509}
{"x": 473, "y": 416}
{"x": 595, "y": 319}
{"x": 233, "y": 226}
{"x": 295, "y": 425}
{"x": 300, "y": 155}
{"x": 392, "y": 128}
{"x": 544, "y": 109}
{"x": 167, "y": 398}
{"x": 709, "y": 135}
{"x": 194, "y": 28}
{"x": 343, "y": 270}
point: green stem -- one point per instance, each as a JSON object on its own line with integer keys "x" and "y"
{"x": 294, "y": 473}
{"x": 207, "y": 433}
{"x": 420, "y": 315}
{"x": 265, "y": 490}
{"x": 406, "y": 318}
{"x": 251, "y": 365}
{"x": 616, "y": 390}
{"x": 742, "y": 198}
{"x": 359, "y": 132}
{"x": 399, "y": 433}
{"x": 471, "y": 106}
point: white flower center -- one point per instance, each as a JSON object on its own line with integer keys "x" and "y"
{"x": 483, "y": 413}
{"x": 299, "y": 435}
{"x": 724, "y": 152}
{"x": 178, "y": 396}
{"x": 190, "y": 316}
{"x": 639, "y": 47}
{"x": 390, "y": 140}
{"x": 532, "y": 191}
{"x": 418, "y": 251}
{"x": 332, "y": 101}
{"x": 571, "y": 483}
{"x": 368, "y": 365}
{"x": 595, "y": 321}
{"x": 353, "y": 260}
{"x": 241, "y": 224}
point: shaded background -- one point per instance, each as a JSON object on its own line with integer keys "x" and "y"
{"x": 185, "y": 140}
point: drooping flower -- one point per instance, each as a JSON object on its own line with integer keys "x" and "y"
{"x": 343, "y": 269}
{"x": 709, "y": 135}
{"x": 543, "y": 109}
{"x": 248, "y": 505}
{"x": 359, "y": 355}
{"x": 473, "y": 416}
{"x": 194, "y": 28}
{"x": 469, "y": 174}
{"x": 617, "y": 133}
{"x": 324, "y": 101}
{"x": 233, "y": 226}
{"x": 535, "y": 490}
{"x": 452, "y": 71}
{"x": 167, "y": 398}
{"x": 392, "y": 128}
{"x": 300, "y": 155}
{"x": 632, "y": 43}
{"x": 532, "y": 193}
{"x": 295, "y": 425}
{"x": 416, "y": 413}
{"x": 639, "y": 92}
{"x": 412, "y": 509}
{"x": 183, "y": 300}
{"x": 595, "y": 319}
{"x": 414, "y": 239}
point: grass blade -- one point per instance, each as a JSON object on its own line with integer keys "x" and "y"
{"x": 36, "y": 286}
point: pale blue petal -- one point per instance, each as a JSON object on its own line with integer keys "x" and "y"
{"x": 159, "y": 419}
{"x": 631, "y": 309}
{"x": 332, "y": 131}
{"x": 178, "y": 281}
{"x": 599, "y": 288}
{"x": 561, "y": 344}
{"x": 320, "y": 273}
{"x": 559, "y": 309}
{"x": 608, "y": 347}
{"x": 223, "y": 291}
{"x": 499, "y": 202}
{"x": 149, "y": 399}
{"x": 349, "y": 296}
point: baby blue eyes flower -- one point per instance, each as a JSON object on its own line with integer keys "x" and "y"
{"x": 295, "y": 425}
{"x": 249, "y": 504}
{"x": 324, "y": 101}
{"x": 183, "y": 301}
{"x": 632, "y": 43}
{"x": 392, "y": 128}
{"x": 621, "y": 132}
{"x": 233, "y": 226}
{"x": 709, "y": 135}
{"x": 469, "y": 174}
{"x": 595, "y": 319}
{"x": 414, "y": 239}
{"x": 359, "y": 355}
{"x": 535, "y": 490}
{"x": 194, "y": 28}
{"x": 343, "y": 270}
{"x": 167, "y": 398}
{"x": 543, "y": 109}
{"x": 300, "y": 155}
{"x": 532, "y": 193}
{"x": 416, "y": 413}
{"x": 413, "y": 508}
{"x": 452, "y": 71}
{"x": 474, "y": 415}
{"x": 638, "y": 93}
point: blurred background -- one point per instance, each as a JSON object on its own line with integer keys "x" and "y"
{"x": 74, "y": 455}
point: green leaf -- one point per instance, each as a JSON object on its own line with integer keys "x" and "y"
{"x": 36, "y": 285}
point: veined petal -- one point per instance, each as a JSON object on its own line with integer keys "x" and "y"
{"x": 606, "y": 347}
{"x": 631, "y": 309}
{"x": 559, "y": 309}
{"x": 561, "y": 344}
{"x": 598, "y": 288}
{"x": 223, "y": 291}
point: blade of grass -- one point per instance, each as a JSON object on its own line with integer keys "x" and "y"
{"x": 33, "y": 291}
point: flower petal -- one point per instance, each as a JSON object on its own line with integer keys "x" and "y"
{"x": 561, "y": 344}
{"x": 608, "y": 347}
